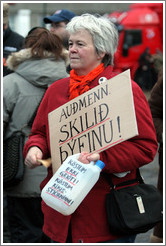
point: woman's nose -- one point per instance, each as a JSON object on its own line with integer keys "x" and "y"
{"x": 72, "y": 48}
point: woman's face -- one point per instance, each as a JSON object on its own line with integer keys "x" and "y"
{"x": 82, "y": 53}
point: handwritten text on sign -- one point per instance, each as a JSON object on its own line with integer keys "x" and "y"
{"x": 94, "y": 121}
{"x": 66, "y": 182}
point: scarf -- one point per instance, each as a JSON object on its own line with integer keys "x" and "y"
{"x": 80, "y": 84}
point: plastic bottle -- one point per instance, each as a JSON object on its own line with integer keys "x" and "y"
{"x": 70, "y": 184}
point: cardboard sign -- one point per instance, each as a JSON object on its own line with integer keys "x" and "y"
{"x": 94, "y": 121}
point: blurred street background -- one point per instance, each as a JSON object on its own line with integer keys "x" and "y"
{"x": 24, "y": 16}
{"x": 140, "y": 27}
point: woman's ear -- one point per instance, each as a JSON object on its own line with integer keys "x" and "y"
{"x": 101, "y": 56}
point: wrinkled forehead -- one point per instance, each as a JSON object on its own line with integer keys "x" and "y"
{"x": 81, "y": 34}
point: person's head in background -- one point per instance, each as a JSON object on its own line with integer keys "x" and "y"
{"x": 5, "y": 16}
{"x": 93, "y": 40}
{"x": 58, "y": 22}
{"x": 41, "y": 40}
{"x": 12, "y": 41}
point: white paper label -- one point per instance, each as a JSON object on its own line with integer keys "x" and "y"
{"x": 140, "y": 205}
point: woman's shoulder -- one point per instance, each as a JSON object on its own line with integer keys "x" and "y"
{"x": 58, "y": 89}
{"x": 60, "y": 84}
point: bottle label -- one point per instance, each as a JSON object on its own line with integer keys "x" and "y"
{"x": 66, "y": 179}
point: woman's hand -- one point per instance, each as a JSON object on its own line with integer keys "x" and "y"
{"x": 86, "y": 157}
{"x": 33, "y": 155}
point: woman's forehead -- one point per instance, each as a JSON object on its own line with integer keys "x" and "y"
{"x": 81, "y": 34}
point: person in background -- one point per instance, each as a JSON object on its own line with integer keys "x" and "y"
{"x": 12, "y": 41}
{"x": 58, "y": 23}
{"x": 35, "y": 67}
{"x": 146, "y": 74}
{"x": 93, "y": 41}
{"x": 156, "y": 106}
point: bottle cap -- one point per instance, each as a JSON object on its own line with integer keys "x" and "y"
{"x": 100, "y": 164}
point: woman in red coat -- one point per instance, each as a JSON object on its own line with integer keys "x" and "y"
{"x": 92, "y": 44}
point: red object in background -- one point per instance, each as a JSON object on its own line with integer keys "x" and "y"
{"x": 139, "y": 28}
{"x": 157, "y": 7}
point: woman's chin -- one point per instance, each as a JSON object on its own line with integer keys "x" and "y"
{"x": 74, "y": 66}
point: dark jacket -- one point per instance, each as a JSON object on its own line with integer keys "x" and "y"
{"x": 156, "y": 106}
{"x": 12, "y": 42}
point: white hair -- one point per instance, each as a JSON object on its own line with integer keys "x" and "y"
{"x": 103, "y": 31}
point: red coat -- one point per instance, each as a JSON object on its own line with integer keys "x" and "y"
{"x": 89, "y": 222}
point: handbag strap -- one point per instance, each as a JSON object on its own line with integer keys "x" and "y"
{"x": 128, "y": 182}
{"x": 30, "y": 122}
